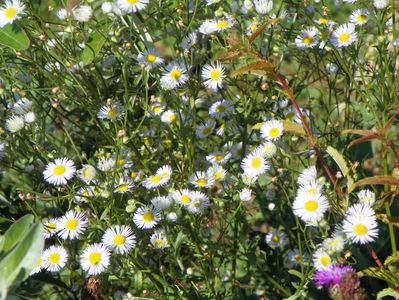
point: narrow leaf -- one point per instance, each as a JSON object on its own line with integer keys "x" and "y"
{"x": 261, "y": 28}
{"x": 344, "y": 165}
{"x": 14, "y": 37}
{"x": 363, "y": 139}
{"x": 293, "y": 128}
{"x": 260, "y": 65}
{"x": 387, "y": 292}
{"x": 378, "y": 180}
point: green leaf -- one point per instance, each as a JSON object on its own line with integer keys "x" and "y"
{"x": 18, "y": 263}
{"x": 344, "y": 165}
{"x": 13, "y": 36}
{"x": 16, "y": 232}
{"x": 93, "y": 46}
{"x": 388, "y": 292}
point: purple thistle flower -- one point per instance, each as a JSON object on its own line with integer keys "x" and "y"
{"x": 331, "y": 276}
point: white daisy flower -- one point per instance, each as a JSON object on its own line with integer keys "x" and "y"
{"x": 88, "y": 174}
{"x": 169, "y": 117}
{"x": 189, "y": 41}
{"x": 221, "y": 109}
{"x": 201, "y": 180}
{"x": 157, "y": 108}
{"x": 199, "y": 203}
{"x": 217, "y": 172}
{"x": 359, "y": 16}
{"x": 131, "y": 6}
{"x": 263, "y": 7}
{"x": 106, "y": 164}
{"x": 161, "y": 202}
{"x": 248, "y": 179}
{"x": 15, "y": 123}
{"x": 84, "y": 194}
{"x": 254, "y": 164}
{"x": 54, "y": 258}
{"x": 307, "y": 38}
{"x": 218, "y": 157}
{"x": 95, "y": 259}
{"x": 154, "y": 181}
{"x": 174, "y": 76}
{"x": 11, "y": 11}
{"x": 213, "y": 75}
{"x": 310, "y": 189}
{"x": 146, "y": 217}
{"x": 335, "y": 244}
{"x": 366, "y": 197}
{"x": 310, "y": 208}
{"x": 82, "y": 13}
{"x": 112, "y": 112}
{"x": 307, "y": 175}
{"x": 272, "y": 130}
{"x": 380, "y": 4}
{"x": 360, "y": 224}
{"x": 71, "y": 225}
{"x": 205, "y": 129}
{"x": 30, "y": 117}
{"x": 276, "y": 238}
{"x": 224, "y": 23}
{"x": 207, "y": 27}
{"x": 124, "y": 185}
{"x": 22, "y": 106}
{"x": 344, "y": 36}
{"x": 149, "y": 58}
{"x": 59, "y": 171}
{"x": 120, "y": 238}
{"x": 182, "y": 197}
{"x": 245, "y": 194}
{"x": 321, "y": 260}
{"x": 50, "y": 227}
{"x": 158, "y": 239}
{"x": 38, "y": 266}
{"x": 165, "y": 172}
{"x": 268, "y": 149}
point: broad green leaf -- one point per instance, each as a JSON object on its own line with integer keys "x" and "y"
{"x": 16, "y": 232}
{"x": 388, "y": 292}
{"x": 18, "y": 263}
{"x": 344, "y": 165}
{"x": 13, "y": 36}
{"x": 94, "y": 44}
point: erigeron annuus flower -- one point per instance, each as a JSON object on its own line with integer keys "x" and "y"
{"x": 199, "y": 203}
{"x": 165, "y": 172}
{"x": 201, "y": 180}
{"x": 157, "y": 108}
{"x": 263, "y": 7}
{"x": 380, "y": 4}
{"x": 254, "y": 164}
{"x": 321, "y": 259}
{"x": 154, "y": 181}
{"x": 310, "y": 208}
{"x": 268, "y": 149}
{"x": 213, "y": 75}
{"x": 50, "y": 227}
{"x": 221, "y": 109}
{"x": 22, "y": 106}
{"x": 106, "y": 164}
{"x": 307, "y": 38}
{"x": 360, "y": 224}
{"x": 95, "y": 259}
{"x": 169, "y": 117}
{"x": 87, "y": 173}
{"x": 224, "y": 23}
{"x": 174, "y": 76}
{"x": 344, "y": 36}
{"x": 150, "y": 58}
{"x": 217, "y": 172}
{"x": 124, "y": 185}
{"x": 335, "y": 243}
{"x": 366, "y": 197}
{"x": 112, "y": 111}
{"x": 146, "y": 217}
{"x": 245, "y": 194}
{"x": 15, "y": 123}
{"x": 205, "y": 129}
{"x": 218, "y": 157}
{"x": 11, "y": 11}
{"x": 38, "y": 266}
{"x": 310, "y": 188}
{"x": 161, "y": 202}
{"x": 294, "y": 258}
{"x": 158, "y": 239}
{"x": 272, "y": 130}
{"x": 182, "y": 197}
{"x": 131, "y": 6}
{"x": 189, "y": 41}
{"x": 82, "y": 13}
{"x": 120, "y": 238}
{"x": 71, "y": 225}
{"x": 276, "y": 238}
{"x": 59, "y": 171}
{"x": 359, "y": 16}
{"x": 54, "y": 258}
{"x": 84, "y": 194}
{"x": 307, "y": 175}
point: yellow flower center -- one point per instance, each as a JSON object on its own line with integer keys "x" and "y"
{"x": 360, "y": 229}
{"x": 10, "y": 12}
{"x": 289, "y": 116}
{"x": 275, "y": 238}
{"x": 151, "y": 58}
{"x": 94, "y": 258}
{"x": 155, "y": 179}
{"x": 132, "y": 1}
{"x": 185, "y": 199}
{"x": 50, "y": 226}
{"x": 175, "y": 74}
{"x": 274, "y": 132}
{"x": 54, "y": 258}
{"x": 344, "y": 37}
{"x": 172, "y": 118}
{"x": 148, "y": 216}
{"x": 219, "y": 157}
{"x": 206, "y": 130}
{"x": 71, "y": 224}
{"x": 133, "y": 175}
{"x": 221, "y": 108}
{"x": 202, "y": 182}
{"x": 120, "y": 162}
{"x": 307, "y": 40}
{"x": 323, "y": 21}
{"x": 222, "y": 24}
{"x": 86, "y": 173}
{"x": 215, "y": 74}
{"x": 112, "y": 113}
{"x": 59, "y": 170}
{"x": 123, "y": 187}
{"x": 325, "y": 260}
{"x": 256, "y": 163}
{"x": 361, "y": 18}
{"x": 119, "y": 240}
{"x": 218, "y": 175}
{"x": 311, "y": 205}
{"x": 156, "y": 109}
{"x": 159, "y": 243}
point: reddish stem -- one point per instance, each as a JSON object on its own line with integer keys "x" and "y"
{"x": 375, "y": 257}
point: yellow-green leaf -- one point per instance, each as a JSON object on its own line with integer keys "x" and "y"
{"x": 14, "y": 37}
{"x": 344, "y": 165}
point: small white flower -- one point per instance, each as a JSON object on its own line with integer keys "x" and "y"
{"x": 263, "y": 7}
{"x": 82, "y": 13}
{"x": 308, "y": 38}
{"x": 366, "y": 197}
{"x": 158, "y": 239}
{"x": 15, "y": 123}
{"x": 149, "y": 58}
{"x": 131, "y": 6}
{"x": 276, "y": 239}
{"x": 213, "y": 75}
{"x": 54, "y": 258}
{"x": 321, "y": 259}
{"x": 199, "y": 203}
{"x": 359, "y": 16}
{"x": 50, "y": 227}
{"x": 245, "y": 194}
{"x": 254, "y": 164}
{"x": 120, "y": 238}
{"x": 205, "y": 129}
{"x": 221, "y": 109}
{"x": 112, "y": 112}
{"x": 309, "y": 207}
{"x": 174, "y": 76}
{"x": 161, "y": 202}
{"x": 59, "y": 171}
{"x": 30, "y": 117}
{"x": 201, "y": 180}
{"x": 71, "y": 225}
{"x": 88, "y": 173}
{"x": 95, "y": 259}
{"x": 344, "y": 36}
{"x": 272, "y": 130}
{"x": 11, "y": 11}
{"x": 146, "y": 217}
{"x": 380, "y": 4}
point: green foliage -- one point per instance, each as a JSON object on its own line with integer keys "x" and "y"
{"x": 14, "y": 36}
